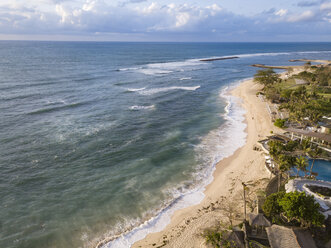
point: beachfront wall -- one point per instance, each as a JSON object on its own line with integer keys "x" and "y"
{"x": 322, "y": 139}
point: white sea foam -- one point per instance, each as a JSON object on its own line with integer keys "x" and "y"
{"x": 149, "y": 71}
{"x": 149, "y": 92}
{"x": 68, "y": 130}
{"x": 261, "y": 54}
{"x": 55, "y": 102}
{"x": 224, "y": 141}
{"x": 166, "y": 67}
{"x": 217, "y": 145}
{"x": 175, "y": 65}
{"x": 128, "y": 69}
{"x": 185, "y": 78}
{"x": 137, "y": 107}
{"x": 194, "y": 64}
{"x": 157, "y": 223}
{"x": 136, "y": 89}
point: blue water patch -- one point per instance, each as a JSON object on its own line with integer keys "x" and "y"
{"x": 321, "y": 167}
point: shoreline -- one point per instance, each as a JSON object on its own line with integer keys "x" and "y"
{"x": 187, "y": 224}
{"x": 234, "y": 125}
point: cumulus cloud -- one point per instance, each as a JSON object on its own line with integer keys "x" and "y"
{"x": 305, "y": 16}
{"x": 142, "y": 17}
{"x": 281, "y": 12}
{"x": 326, "y": 6}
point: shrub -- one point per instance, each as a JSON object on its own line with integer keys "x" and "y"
{"x": 298, "y": 206}
{"x": 279, "y": 123}
{"x": 219, "y": 239}
{"x": 266, "y": 77}
{"x": 291, "y": 145}
{"x": 295, "y": 206}
{"x": 271, "y": 207}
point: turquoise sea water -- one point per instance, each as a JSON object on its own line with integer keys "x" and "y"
{"x": 97, "y": 139}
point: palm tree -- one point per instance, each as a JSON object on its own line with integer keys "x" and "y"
{"x": 315, "y": 153}
{"x": 284, "y": 163}
{"x": 305, "y": 144}
{"x": 301, "y": 163}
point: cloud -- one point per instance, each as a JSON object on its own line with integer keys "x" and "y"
{"x": 281, "y": 12}
{"x": 269, "y": 11}
{"x": 326, "y": 10}
{"x": 140, "y": 18}
{"x": 326, "y": 6}
{"x": 308, "y": 3}
{"x": 137, "y": 1}
{"x": 303, "y": 17}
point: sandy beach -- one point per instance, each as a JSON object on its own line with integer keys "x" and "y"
{"x": 224, "y": 194}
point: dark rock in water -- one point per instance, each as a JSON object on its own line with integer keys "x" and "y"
{"x": 222, "y": 58}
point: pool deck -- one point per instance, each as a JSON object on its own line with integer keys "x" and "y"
{"x": 300, "y": 184}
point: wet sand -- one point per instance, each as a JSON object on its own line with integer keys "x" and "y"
{"x": 224, "y": 194}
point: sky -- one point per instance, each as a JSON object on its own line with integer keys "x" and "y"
{"x": 166, "y": 20}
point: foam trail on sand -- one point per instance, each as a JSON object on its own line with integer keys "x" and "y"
{"x": 217, "y": 145}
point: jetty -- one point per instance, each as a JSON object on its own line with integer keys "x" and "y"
{"x": 221, "y": 58}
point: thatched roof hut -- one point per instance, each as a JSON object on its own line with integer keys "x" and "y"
{"x": 238, "y": 237}
{"x": 258, "y": 220}
{"x": 285, "y": 237}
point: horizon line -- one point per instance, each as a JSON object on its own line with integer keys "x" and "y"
{"x": 124, "y": 41}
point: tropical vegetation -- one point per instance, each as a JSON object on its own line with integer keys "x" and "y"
{"x": 306, "y": 103}
{"x": 294, "y": 208}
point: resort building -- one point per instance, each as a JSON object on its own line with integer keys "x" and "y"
{"x": 321, "y": 139}
{"x": 258, "y": 224}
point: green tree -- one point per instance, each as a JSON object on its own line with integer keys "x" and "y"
{"x": 271, "y": 207}
{"x": 266, "y": 77}
{"x": 291, "y": 146}
{"x": 284, "y": 164}
{"x": 305, "y": 146}
{"x": 314, "y": 153}
{"x": 279, "y": 123}
{"x": 275, "y": 147}
{"x": 219, "y": 239}
{"x": 302, "y": 208}
{"x": 301, "y": 164}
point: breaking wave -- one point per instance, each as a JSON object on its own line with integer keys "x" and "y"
{"x": 137, "y": 107}
{"x": 215, "y": 146}
{"x": 148, "y": 92}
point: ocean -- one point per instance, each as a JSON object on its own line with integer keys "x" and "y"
{"x": 104, "y": 141}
